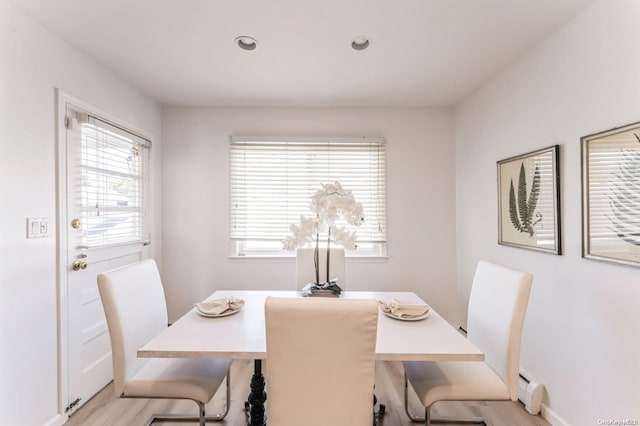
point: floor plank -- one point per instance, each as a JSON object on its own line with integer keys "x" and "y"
{"x": 105, "y": 409}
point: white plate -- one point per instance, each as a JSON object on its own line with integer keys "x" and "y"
{"x": 416, "y": 318}
{"x": 224, "y": 314}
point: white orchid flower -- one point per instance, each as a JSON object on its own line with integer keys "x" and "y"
{"x": 319, "y": 202}
{"x": 345, "y": 238}
{"x": 288, "y": 244}
{"x": 331, "y": 205}
{"x": 329, "y": 215}
{"x": 348, "y": 203}
{"x": 309, "y": 227}
{"x": 329, "y": 188}
{"x": 356, "y": 215}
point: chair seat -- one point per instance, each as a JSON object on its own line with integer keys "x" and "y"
{"x": 196, "y": 379}
{"x": 455, "y": 381}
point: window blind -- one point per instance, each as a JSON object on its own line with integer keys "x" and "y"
{"x": 546, "y": 206}
{"x": 613, "y": 190}
{"x": 272, "y": 182}
{"x": 112, "y": 163}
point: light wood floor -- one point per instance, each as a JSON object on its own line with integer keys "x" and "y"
{"x": 105, "y": 409}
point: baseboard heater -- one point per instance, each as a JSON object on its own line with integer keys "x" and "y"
{"x": 530, "y": 392}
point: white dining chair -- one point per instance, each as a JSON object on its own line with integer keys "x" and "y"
{"x": 496, "y": 312}
{"x": 321, "y": 355}
{"x": 306, "y": 272}
{"x": 135, "y": 308}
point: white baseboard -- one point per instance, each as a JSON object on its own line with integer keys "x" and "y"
{"x": 549, "y": 415}
{"x": 57, "y": 420}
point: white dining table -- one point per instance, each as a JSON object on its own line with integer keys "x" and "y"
{"x": 242, "y": 336}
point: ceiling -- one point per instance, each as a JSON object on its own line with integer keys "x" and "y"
{"x": 423, "y": 52}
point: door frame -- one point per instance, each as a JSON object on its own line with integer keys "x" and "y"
{"x": 62, "y": 99}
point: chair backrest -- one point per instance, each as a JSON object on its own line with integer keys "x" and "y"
{"x": 136, "y": 311}
{"x": 321, "y": 361}
{"x": 306, "y": 272}
{"x": 497, "y": 307}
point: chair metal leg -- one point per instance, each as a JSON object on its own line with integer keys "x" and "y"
{"x": 411, "y": 416}
{"x": 460, "y": 420}
{"x": 377, "y": 415}
{"x": 201, "y": 418}
{"x": 428, "y": 419}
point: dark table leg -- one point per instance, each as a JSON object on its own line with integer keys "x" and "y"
{"x": 257, "y": 396}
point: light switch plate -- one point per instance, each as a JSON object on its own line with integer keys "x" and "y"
{"x": 37, "y": 227}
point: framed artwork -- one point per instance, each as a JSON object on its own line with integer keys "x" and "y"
{"x": 611, "y": 195}
{"x": 529, "y": 201}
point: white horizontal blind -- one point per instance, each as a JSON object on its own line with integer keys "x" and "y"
{"x": 545, "y": 229}
{"x": 614, "y": 190}
{"x": 272, "y": 182}
{"x": 113, "y": 166}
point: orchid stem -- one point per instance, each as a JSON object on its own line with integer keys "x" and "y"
{"x": 328, "y": 252}
{"x": 316, "y": 260}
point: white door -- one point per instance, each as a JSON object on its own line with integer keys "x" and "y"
{"x": 105, "y": 229}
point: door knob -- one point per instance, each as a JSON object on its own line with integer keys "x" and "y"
{"x": 77, "y": 265}
{"x": 76, "y": 223}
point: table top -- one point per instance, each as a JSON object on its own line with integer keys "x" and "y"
{"x": 242, "y": 335}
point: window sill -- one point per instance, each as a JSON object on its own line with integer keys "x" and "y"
{"x": 287, "y": 259}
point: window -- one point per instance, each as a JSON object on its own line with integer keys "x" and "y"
{"x": 111, "y": 199}
{"x": 272, "y": 181}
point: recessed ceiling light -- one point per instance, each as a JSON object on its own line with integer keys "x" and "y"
{"x": 360, "y": 43}
{"x": 246, "y": 43}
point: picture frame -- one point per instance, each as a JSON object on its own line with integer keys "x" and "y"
{"x": 611, "y": 195}
{"x": 529, "y": 201}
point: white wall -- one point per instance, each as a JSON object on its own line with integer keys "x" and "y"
{"x": 581, "y": 329}
{"x": 33, "y": 62}
{"x": 420, "y": 187}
